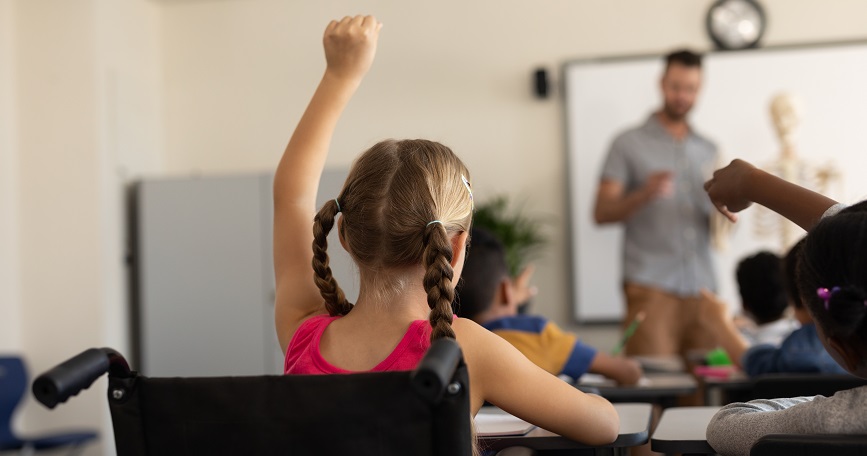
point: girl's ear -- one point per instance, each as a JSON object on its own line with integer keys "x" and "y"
{"x": 459, "y": 247}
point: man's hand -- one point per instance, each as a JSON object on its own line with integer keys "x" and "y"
{"x": 659, "y": 185}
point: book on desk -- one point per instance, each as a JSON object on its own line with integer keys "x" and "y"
{"x": 495, "y": 422}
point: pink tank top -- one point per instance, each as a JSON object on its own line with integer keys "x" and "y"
{"x": 303, "y": 355}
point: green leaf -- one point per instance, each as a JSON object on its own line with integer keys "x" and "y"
{"x": 521, "y": 234}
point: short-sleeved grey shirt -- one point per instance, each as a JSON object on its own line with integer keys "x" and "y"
{"x": 667, "y": 242}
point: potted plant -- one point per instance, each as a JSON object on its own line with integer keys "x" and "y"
{"x": 520, "y": 234}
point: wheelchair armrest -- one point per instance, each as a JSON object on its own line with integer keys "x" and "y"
{"x": 796, "y": 444}
{"x": 435, "y": 371}
{"x": 68, "y": 378}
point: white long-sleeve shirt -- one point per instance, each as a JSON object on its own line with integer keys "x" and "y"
{"x": 736, "y": 427}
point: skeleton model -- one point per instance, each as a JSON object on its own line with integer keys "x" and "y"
{"x": 786, "y": 114}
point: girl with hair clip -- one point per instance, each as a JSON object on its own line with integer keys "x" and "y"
{"x": 832, "y": 283}
{"x": 404, "y": 216}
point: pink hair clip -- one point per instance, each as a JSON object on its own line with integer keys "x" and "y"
{"x": 825, "y": 294}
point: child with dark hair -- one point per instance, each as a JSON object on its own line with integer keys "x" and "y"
{"x": 764, "y": 298}
{"x": 490, "y": 297}
{"x": 831, "y": 272}
{"x": 800, "y": 352}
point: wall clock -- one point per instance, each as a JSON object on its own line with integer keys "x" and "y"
{"x": 736, "y": 24}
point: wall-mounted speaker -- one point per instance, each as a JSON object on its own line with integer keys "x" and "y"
{"x": 540, "y": 83}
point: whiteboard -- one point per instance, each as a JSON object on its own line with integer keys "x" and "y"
{"x": 605, "y": 97}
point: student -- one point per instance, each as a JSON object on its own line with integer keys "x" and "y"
{"x": 764, "y": 299}
{"x": 832, "y": 281}
{"x": 490, "y": 297}
{"x": 800, "y": 352}
{"x": 405, "y": 213}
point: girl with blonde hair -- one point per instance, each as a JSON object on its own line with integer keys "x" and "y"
{"x": 404, "y": 216}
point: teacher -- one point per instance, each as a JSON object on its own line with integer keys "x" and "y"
{"x": 651, "y": 182}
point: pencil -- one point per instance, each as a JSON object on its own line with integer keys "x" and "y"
{"x": 639, "y": 317}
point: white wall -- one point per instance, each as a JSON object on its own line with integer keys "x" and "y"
{"x": 60, "y": 242}
{"x": 10, "y": 303}
{"x": 86, "y": 75}
{"x": 239, "y": 74}
{"x": 131, "y": 135}
{"x": 129, "y": 81}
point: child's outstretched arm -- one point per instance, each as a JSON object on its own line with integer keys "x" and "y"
{"x": 624, "y": 371}
{"x": 733, "y": 188}
{"x": 350, "y": 46}
{"x": 500, "y": 374}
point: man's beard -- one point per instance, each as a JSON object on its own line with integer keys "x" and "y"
{"x": 674, "y": 114}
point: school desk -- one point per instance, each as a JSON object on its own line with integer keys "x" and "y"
{"x": 661, "y": 363}
{"x": 740, "y": 388}
{"x": 721, "y": 390}
{"x": 682, "y": 430}
{"x": 634, "y": 431}
{"x": 659, "y": 388}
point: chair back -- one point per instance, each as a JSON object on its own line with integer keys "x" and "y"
{"x": 810, "y": 444}
{"x": 13, "y": 383}
{"x": 425, "y": 412}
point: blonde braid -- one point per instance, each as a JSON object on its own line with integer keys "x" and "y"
{"x": 438, "y": 276}
{"x": 335, "y": 301}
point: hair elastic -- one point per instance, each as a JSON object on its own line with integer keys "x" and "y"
{"x": 338, "y": 205}
{"x": 825, "y": 295}
{"x": 435, "y": 221}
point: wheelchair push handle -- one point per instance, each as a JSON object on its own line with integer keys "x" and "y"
{"x": 68, "y": 378}
{"x": 434, "y": 373}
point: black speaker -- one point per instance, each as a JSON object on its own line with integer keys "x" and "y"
{"x": 540, "y": 83}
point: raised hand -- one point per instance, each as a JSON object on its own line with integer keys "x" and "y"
{"x": 728, "y": 188}
{"x": 350, "y": 46}
{"x": 523, "y": 290}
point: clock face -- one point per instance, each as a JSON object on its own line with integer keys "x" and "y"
{"x": 736, "y": 24}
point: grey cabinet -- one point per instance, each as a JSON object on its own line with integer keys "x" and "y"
{"x": 203, "y": 281}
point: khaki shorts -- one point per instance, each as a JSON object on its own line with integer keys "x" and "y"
{"x": 671, "y": 323}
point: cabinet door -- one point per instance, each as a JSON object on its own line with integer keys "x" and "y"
{"x": 204, "y": 276}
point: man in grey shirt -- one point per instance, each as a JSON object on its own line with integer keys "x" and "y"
{"x": 652, "y": 182}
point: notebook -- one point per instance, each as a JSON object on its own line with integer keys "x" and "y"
{"x": 494, "y": 423}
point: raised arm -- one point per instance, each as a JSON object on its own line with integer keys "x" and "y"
{"x": 350, "y": 46}
{"x": 733, "y": 188}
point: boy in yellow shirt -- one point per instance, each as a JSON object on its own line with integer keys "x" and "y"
{"x": 490, "y": 297}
